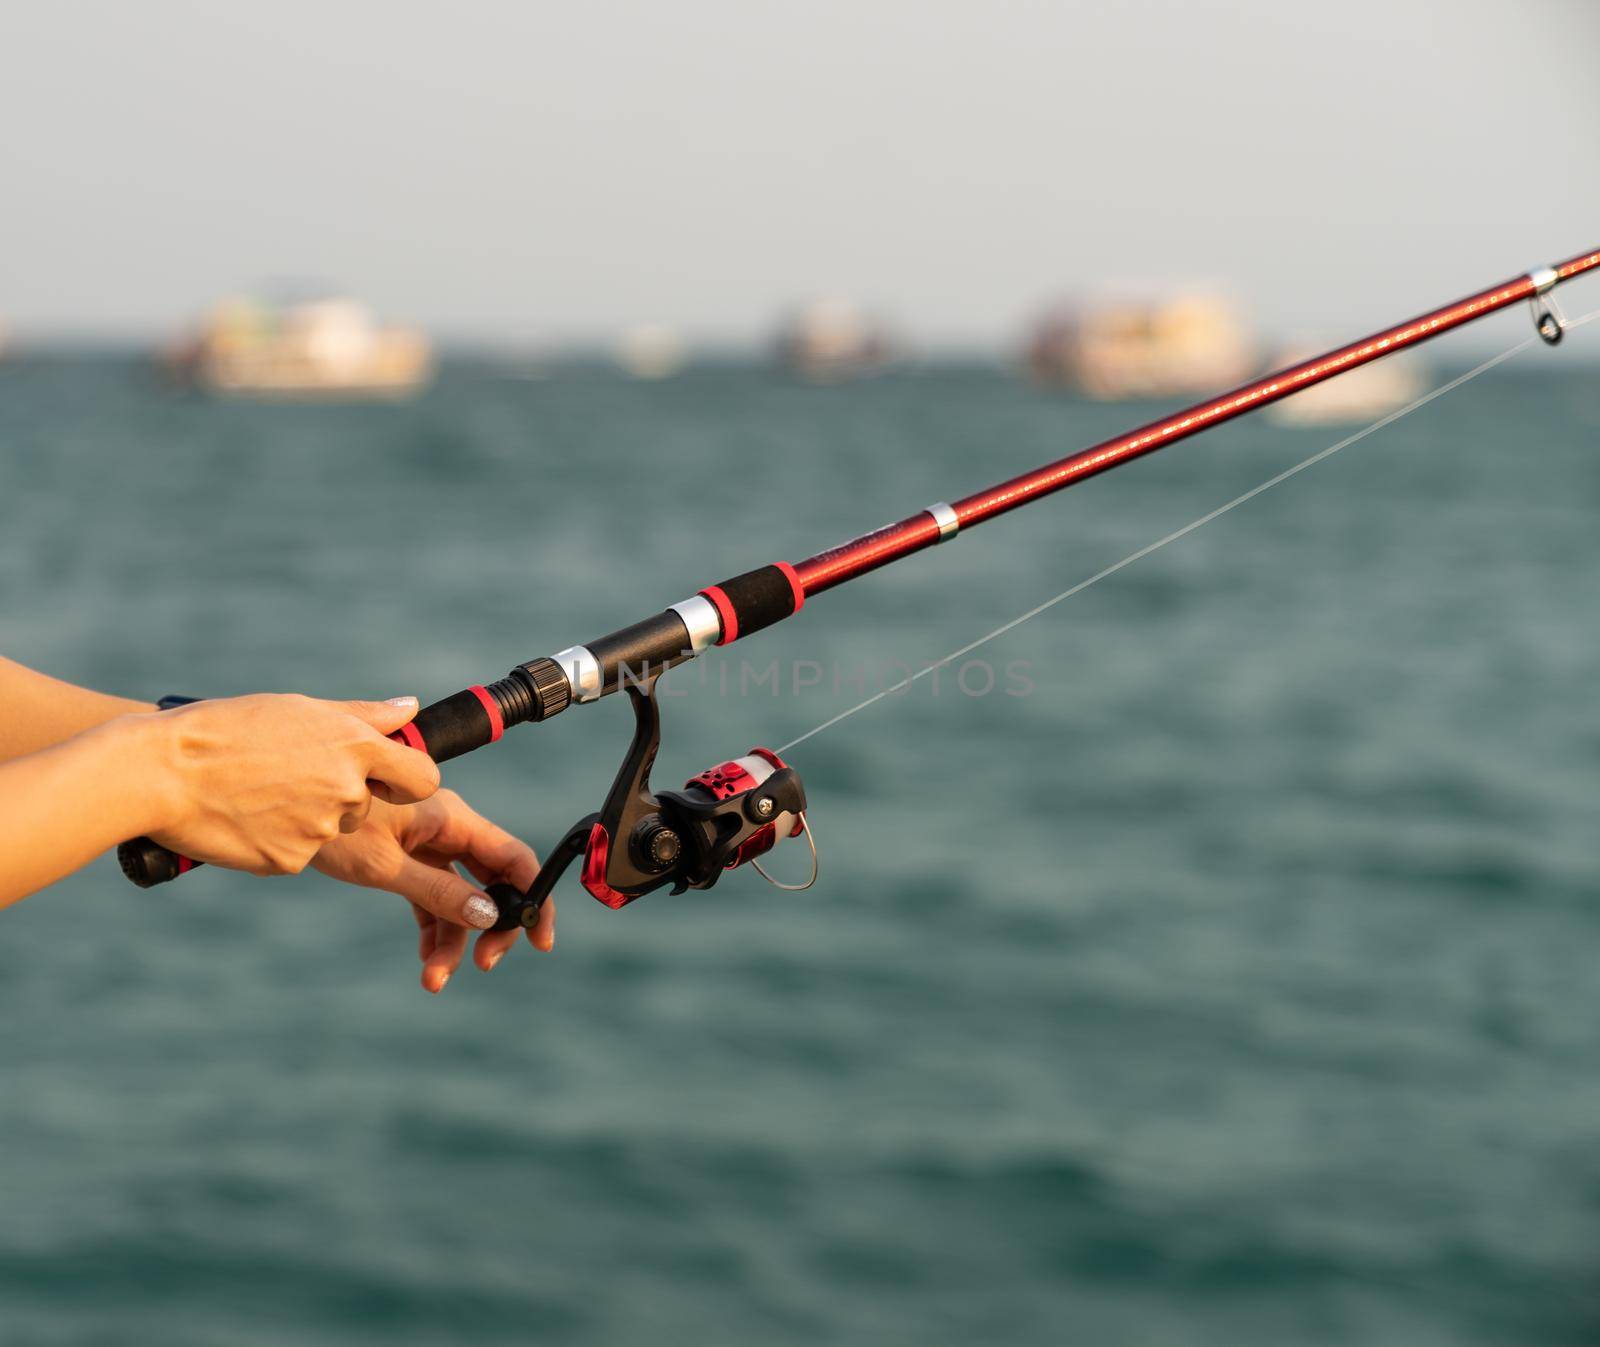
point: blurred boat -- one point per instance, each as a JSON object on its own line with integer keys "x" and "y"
{"x": 829, "y": 340}
{"x": 1190, "y": 343}
{"x": 322, "y": 348}
{"x": 651, "y": 351}
{"x": 1361, "y": 394}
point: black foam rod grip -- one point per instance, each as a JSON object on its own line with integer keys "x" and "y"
{"x": 756, "y": 599}
{"x": 460, "y": 723}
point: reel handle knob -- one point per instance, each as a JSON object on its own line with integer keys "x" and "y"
{"x": 518, "y": 911}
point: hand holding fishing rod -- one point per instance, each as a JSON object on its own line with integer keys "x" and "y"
{"x": 273, "y": 783}
{"x": 261, "y": 783}
{"x": 270, "y": 783}
{"x": 256, "y": 782}
{"x": 236, "y": 796}
{"x": 453, "y": 726}
{"x": 639, "y": 841}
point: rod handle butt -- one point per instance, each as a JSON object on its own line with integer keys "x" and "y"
{"x": 147, "y": 863}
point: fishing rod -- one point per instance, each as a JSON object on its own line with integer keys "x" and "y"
{"x": 730, "y": 815}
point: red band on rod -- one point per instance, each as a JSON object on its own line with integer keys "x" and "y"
{"x": 793, "y": 577}
{"x": 730, "y": 619}
{"x": 409, "y": 735}
{"x": 497, "y": 724}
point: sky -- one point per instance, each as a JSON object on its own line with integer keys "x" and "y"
{"x": 526, "y": 172}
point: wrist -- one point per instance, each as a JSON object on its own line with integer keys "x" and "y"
{"x": 146, "y": 749}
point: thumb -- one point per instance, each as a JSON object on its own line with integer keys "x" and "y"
{"x": 445, "y": 894}
{"x": 385, "y": 717}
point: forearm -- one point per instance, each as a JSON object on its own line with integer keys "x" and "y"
{"x": 37, "y": 711}
{"x": 61, "y": 807}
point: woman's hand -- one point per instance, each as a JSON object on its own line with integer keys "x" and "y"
{"x": 262, "y": 783}
{"x": 410, "y": 850}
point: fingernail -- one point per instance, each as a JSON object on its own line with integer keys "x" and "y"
{"x": 402, "y": 701}
{"x": 480, "y": 911}
{"x": 493, "y": 960}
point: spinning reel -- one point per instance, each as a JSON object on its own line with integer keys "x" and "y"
{"x": 642, "y": 840}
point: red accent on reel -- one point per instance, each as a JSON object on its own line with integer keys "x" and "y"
{"x": 728, "y": 779}
{"x": 757, "y": 844}
{"x": 724, "y": 781}
{"x": 594, "y": 869}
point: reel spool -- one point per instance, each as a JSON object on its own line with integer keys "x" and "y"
{"x": 641, "y": 840}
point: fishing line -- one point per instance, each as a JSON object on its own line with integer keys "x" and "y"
{"x": 1189, "y": 528}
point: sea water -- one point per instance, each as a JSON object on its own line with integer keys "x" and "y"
{"x": 1227, "y": 972}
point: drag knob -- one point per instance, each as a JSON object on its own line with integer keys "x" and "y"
{"x": 656, "y": 846}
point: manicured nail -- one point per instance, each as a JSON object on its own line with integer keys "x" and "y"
{"x": 493, "y": 960}
{"x": 402, "y": 701}
{"x": 480, "y": 911}
{"x": 442, "y": 981}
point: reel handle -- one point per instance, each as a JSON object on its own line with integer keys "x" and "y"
{"x": 519, "y": 910}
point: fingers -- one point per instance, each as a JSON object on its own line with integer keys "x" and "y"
{"x": 445, "y": 957}
{"x": 491, "y": 854}
{"x": 385, "y": 717}
{"x": 488, "y": 850}
{"x": 442, "y": 944}
{"x": 492, "y": 947}
{"x": 399, "y": 774}
{"x": 480, "y": 845}
{"x": 352, "y": 819}
{"x": 542, "y": 935}
{"x": 444, "y": 893}
{"x": 442, "y": 900}
{"x": 427, "y": 931}
{"x": 395, "y": 773}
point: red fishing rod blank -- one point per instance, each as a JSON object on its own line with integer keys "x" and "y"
{"x": 835, "y": 566}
